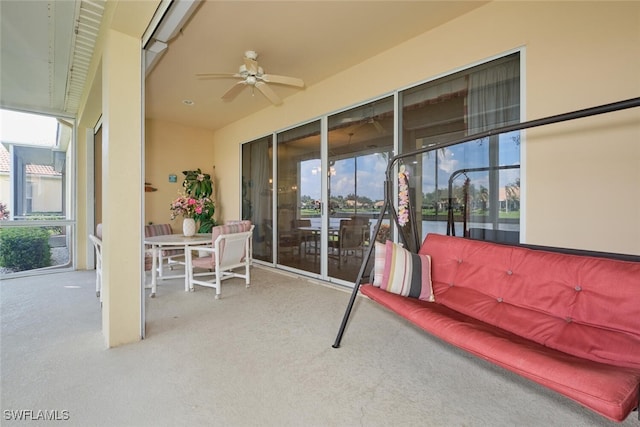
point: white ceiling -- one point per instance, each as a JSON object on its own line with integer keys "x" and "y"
{"x": 311, "y": 40}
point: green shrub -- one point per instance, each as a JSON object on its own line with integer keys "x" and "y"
{"x": 24, "y": 248}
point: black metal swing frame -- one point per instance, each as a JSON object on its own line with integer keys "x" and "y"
{"x": 409, "y": 233}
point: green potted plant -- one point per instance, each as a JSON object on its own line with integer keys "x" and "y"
{"x": 195, "y": 201}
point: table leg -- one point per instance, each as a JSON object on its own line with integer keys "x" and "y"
{"x": 187, "y": 266}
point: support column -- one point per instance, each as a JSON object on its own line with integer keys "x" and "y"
{"x": 122, "y": 188}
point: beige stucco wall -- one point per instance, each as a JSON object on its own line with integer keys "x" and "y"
{"x": 121, "y": 189}
{"x": 575, "y": 54}
{"x": 82, "y": 241}
{"x": 171, "y": 148}
{"x": 114, "y": 91}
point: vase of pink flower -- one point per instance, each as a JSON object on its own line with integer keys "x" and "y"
{"x": 189, "y": 208}
{"x": 188, "y": 227}
{"x": 195, "y": 201}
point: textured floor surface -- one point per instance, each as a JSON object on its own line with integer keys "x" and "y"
{"x": 257, "y": 357}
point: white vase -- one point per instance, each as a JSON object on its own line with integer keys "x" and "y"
{"x": 189, "y": 227}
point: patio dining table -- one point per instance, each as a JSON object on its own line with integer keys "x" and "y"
{"x": 174, "y": 241}
{"x": 315, "y": 232}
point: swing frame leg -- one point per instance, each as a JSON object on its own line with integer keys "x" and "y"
{"x": 358, "y": 282}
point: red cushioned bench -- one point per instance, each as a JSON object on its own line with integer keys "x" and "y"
{"x": 568, "y": 322}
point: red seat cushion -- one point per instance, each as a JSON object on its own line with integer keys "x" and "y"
{"x": 608, "y": 390}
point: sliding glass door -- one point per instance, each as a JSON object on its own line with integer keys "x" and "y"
{"x": 360, "y": 141}
{"x": 470, "y": 189}
{"x": 325, "y": 202}
{"x": 257, "y": 194}
{"x": 316, "y": 212}
{"x": 298, "y": 198}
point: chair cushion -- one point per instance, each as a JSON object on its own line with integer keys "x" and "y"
{"x": 218, "y": 230}
{"x": 235, "y": 227}
{"x": 203, "y": 262}
{"x": 157, "y": 230}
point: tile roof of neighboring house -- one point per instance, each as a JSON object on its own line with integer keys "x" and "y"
{"x": 5, "y": 163}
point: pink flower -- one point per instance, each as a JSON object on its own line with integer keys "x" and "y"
{"x": 190, "y": 207}
{"x": 403, "y": 196}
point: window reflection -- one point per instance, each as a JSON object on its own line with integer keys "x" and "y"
{"x": 466, "y": 189}
{"x": 298, "y": 197}
{"x": 257, "y": 194}
{"x": 463, "y": 189}
{"x": 360, "y": 142}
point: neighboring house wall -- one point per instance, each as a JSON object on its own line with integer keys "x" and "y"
{"x": 5, "y": 188}
{"x": 47, "y": 193}
{"x": 567, "y": 66}
{"x": 45, "y": 182}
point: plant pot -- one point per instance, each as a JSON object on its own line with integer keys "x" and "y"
{"x": 189, "y": 227}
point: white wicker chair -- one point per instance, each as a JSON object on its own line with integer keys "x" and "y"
{"x": 97, "y": 244}
{"x": 231, "y": 251}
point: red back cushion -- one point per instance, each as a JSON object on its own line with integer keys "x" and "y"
{"x": 585, "y": 306}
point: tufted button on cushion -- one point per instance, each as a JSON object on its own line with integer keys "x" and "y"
{"x": 509, "y": 272}
{"x": 568, "y": 319}
{"x": 459, "y": 261}
{"x": 500, "y": 300}
{"x": 578, "y": 288}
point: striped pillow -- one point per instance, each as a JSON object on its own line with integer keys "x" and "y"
{"x": 378, "y": 263}
{"x": 406, "y": 273}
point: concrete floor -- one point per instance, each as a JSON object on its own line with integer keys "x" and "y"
{"x": 257, "y": 357}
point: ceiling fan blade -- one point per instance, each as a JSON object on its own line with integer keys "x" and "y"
{"x": 378, "y": 126}
{"x": 354, "y": 128}
{"x": 205, "y": 76}
{"x": 283, "y": 80}
{"x": 268, "y": 92}
{"x": 234, "y": 91}
{"x": 252, "y": 65}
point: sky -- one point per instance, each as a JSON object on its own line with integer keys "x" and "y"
{"x": 371, "y": 170}
{"x": 27, "y": 128}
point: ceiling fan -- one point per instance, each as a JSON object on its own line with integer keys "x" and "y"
{"x": 251, "y": 74}
{"x": 358, "y": 124}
